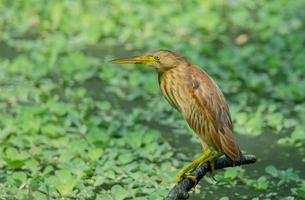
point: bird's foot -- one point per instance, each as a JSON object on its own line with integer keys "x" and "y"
{"x": 212, "y": 163}
{"x": 180, "y": 178}
{"x": 212, "y": 173}
{"x": 205, "y": 157}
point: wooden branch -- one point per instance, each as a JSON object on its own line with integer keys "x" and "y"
{"x": 180, "y": 190}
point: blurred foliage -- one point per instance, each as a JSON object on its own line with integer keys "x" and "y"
{"x": 73, "y": 126}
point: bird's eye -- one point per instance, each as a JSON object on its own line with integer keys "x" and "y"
{"x": 157, "y": 58}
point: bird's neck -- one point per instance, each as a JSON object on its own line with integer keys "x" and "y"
{"x": 160, "y": 73}
{"x": 163, "y": 71}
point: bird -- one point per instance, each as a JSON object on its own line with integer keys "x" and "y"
{"x": 190, "y": 90}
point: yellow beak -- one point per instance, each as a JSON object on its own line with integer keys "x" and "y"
{"x": 147, "y": 59}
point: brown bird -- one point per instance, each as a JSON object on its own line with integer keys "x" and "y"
{"x": 190, "y": 90}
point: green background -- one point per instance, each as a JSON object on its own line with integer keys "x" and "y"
{"x": 75, "y": 126}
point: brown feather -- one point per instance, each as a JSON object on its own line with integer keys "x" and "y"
{"x": 192, "y": 92}
{"x": 203, "y": 105}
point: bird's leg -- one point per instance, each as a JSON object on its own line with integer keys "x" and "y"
{"x": 212, "y": 162}
{"x": 206, "y": 156}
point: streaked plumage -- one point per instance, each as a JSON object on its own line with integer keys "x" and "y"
{"x": 192, "y": 91}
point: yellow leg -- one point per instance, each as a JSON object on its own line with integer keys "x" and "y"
{"x": 206, "y": 156}
{"x": 212, "y": 162}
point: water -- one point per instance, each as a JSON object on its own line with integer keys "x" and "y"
{"x": 265, "y": 146}
{"x": 7, "y": 51}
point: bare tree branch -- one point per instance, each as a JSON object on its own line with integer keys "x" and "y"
{"x": 180, "y": 191}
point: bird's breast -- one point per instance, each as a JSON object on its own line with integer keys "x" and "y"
{"x": 174, "y": 88}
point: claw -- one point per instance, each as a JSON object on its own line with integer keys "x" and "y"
{"x": 205, "y": 157}
{"x": 212, "y": 164}
{"x": 193, "y": 178}
{"x": 181, "y": 178}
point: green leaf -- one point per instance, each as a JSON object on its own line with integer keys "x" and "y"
{"x": 275, "y": 120}
{"x": 232, "y": 173}
{"x": 32, "y": 165}
{"x": 125, "y": 158}
{"x": 39, "y": 195}
{"x": 64, "y": 182}
{"x": 262, "y": 183}
{"x": 300, "y": 190}
{"x": 15, "y": 159}
{"x": 18, "y": 178}
{"x": 103, "y": 196}
{"x": 298, "y": 134}
{"x": 53, "y": 130}
{"x": 151, "y": 136}
{"x": 118, "y": 192}
{"x": 272, "y": 171}
{"x": 95, "y": 154}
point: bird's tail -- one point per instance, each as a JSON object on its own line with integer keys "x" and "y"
{"x": 229, "y": 146}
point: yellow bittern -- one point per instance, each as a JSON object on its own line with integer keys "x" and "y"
{"x": 193, "y": 92}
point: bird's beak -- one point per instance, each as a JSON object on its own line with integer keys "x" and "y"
{"x": 146, "y": 59}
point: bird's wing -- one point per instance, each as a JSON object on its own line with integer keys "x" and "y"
{"x": 211, "y": 100}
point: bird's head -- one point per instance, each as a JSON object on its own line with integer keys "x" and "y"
{"x": 162, "y": 60}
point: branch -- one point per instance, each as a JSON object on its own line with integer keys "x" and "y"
{"x": 180, "y": 190}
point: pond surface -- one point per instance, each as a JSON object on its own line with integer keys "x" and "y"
{"x": 264, "y": 147}
{"x": 7, "y": 51}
